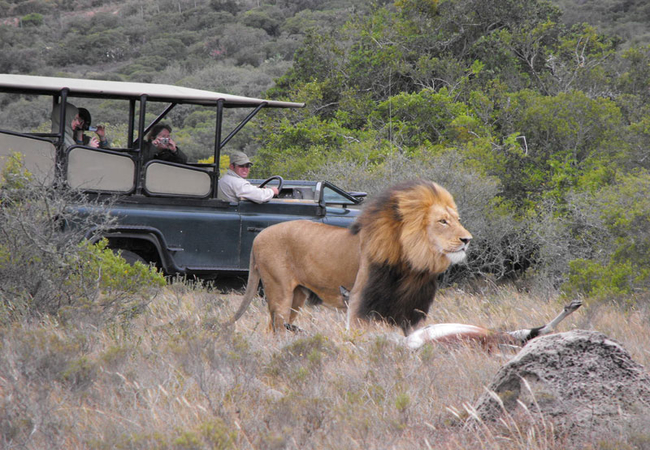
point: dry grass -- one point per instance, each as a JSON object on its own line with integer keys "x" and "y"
{"x": 174, "y": 379}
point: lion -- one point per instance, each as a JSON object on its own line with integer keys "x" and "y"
{"x": 295, "y": 260}
{"x": 390, "y": 257}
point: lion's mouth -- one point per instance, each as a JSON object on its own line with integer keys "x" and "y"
{"x": 456, "y": 256}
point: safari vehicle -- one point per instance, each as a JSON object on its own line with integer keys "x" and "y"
{"x": 168, "y": 214}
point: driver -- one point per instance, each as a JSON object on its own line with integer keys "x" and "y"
{"x": 233, "y": 186}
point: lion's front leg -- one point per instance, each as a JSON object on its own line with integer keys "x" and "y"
{"x": 354, "y": 319}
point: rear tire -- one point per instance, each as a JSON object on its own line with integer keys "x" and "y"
{"x": 131, "y": 257}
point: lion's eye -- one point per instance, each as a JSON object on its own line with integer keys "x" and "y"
{"x": 443, "y": 221}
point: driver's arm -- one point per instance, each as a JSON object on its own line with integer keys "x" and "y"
{"x": 256, "y": 194}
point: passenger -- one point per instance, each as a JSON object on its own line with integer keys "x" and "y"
{"x": 234, "y": 186}
{"x": 79, "y": 121}
{"x": 160, "y": 145}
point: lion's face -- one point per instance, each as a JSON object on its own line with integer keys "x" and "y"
{"x": 445, "y": 233}
{"x": 430, "y": 234}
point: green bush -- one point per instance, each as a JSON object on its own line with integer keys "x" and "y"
{"x": 599, "y": 281}
{"x": 112, "y": 287}
{"x": 47, "y": 268}
{"x": 32, "y": 19}
{"x": 619, "y": 261}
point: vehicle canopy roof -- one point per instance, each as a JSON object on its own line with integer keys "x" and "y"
{"x": 61, "y": 89}
{"x": 130, "y": 91}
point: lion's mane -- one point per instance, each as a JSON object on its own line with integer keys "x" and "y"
{"x": 402, "y": 266}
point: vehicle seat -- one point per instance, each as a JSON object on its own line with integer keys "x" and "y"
{"x": 38, "y": 155}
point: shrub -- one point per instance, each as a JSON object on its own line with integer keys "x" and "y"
{"x": 618, "y": 262}
{"x": 32, "y": 19}
{"x": 602, "y": 281}
{"x": 46, "y": 266}
{"x": 112, "y": 288}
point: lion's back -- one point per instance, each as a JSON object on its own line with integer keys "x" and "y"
{"x": 320, "y": 256}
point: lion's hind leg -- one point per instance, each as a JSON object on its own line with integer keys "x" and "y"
{"x": 300, "y": 296}
{"x": 283, "y": 313}
{"x": 284, "y": 304}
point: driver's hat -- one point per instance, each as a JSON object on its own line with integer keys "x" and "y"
{"x": 239, "y": 158}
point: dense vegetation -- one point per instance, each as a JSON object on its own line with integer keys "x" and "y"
{"x": 532, "y": 113}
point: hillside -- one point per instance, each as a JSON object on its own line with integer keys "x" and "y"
{"x": 628, "y": 19}
{"x": 172, "y": 41}
{"x": 137, "y": 41}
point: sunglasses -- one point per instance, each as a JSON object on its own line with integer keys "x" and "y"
{"x": 248, "y": 166}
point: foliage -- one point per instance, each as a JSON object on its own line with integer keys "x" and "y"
{"x": 626, "y": 19}
{"x": 32, "y": 19}
{"x": 569, "y": 138}
{"x": 300, "y": 147}
{"x": 620, "y": 263}
{"x": 45, "y": 266}
{"x": 224, "y": 162}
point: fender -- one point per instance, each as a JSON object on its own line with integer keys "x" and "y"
{"x": 142, "y": 233}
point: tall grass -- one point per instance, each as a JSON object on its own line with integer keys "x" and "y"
{"x": 173, "y": 378}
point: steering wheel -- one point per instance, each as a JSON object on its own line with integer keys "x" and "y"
{"x": 274, "y": 177}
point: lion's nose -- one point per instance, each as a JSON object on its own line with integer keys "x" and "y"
{"x": 465, "y": 240}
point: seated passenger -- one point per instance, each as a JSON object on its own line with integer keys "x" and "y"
{"x": 81, "y": 123}
{"x": 233, "y": 186}
{"x": 78, "y": 121}
{"x": 160, "y": 145}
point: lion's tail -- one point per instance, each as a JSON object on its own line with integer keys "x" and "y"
{"x": 251, "y": 290}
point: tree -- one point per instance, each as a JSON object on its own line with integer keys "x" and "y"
{"x": 619, "y": 264}
{"x": 268, "y": 18}
{"x": 571, "y": 141}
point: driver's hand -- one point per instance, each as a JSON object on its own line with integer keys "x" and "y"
{"x": 275, "y": 191}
